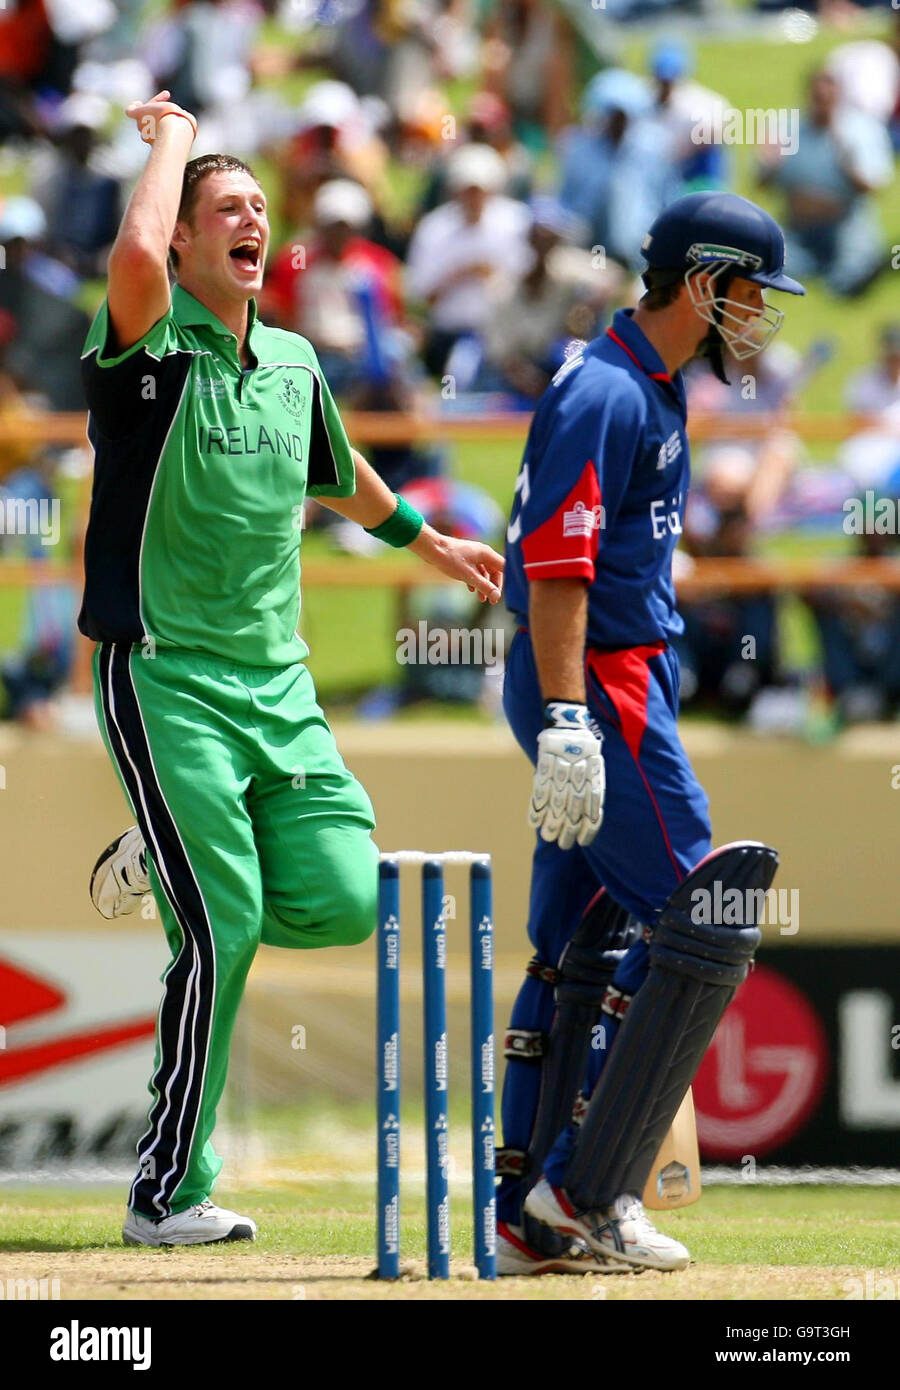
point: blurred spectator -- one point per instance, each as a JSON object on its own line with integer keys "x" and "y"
{"x": 870, "y": 457}
{"x": 435, "y": 611}
{"x": 357, "y": 49}
{"x": 460, "y": 252}
{"x": 42, "y": 663}
{"x": 327, "y": 290}
{"x": 728, "y": 650}
{"x": 868, "y": 76}
{"x": 558, "y": 297}
{"x": 488, "y": 122}
{"x": 82, "y": 204}
{"x": 14, "y": 453}
{"x": 875, "y": 390}
{"x": 333, "y": 139}
{"x": 26, "y": 42}
{"x": 201, "y": 51}
{"x": 208, "y": 54}
{"x": 41, "y": 357}
{"x": 395, "y": 49}
{"x": 423, "y": 127}
{"x": 39, "y": 51}
{"x": 860, "y": 633}
{"x": 629, "y": 11}
{"x": 765, "y": 385}
{"x": 397, "y": 464}
{"x": 41, "y": 666}
{"x": 529, "y": 60}
{"x": 28, "y": 680}
{"x": 842, "y": 156}
{"x": 618, "y": 172}
{"x": 679, "y": 111}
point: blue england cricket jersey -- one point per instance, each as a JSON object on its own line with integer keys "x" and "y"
{"x": 601, "y": 491}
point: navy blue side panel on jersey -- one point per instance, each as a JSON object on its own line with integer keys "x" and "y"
{"x": 132, "y": 406}
{"x": 322, "y": 470}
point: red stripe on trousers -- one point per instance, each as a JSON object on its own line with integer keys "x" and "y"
{"x": 625, "y": 677}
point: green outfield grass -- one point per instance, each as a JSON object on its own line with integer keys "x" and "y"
{"x": 307, "y": 1177}
{"x": 316, "y": 1241}
{"x": 792, "y": 1226}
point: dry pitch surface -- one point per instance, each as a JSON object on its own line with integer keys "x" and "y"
{"x": 795, "y": 1243}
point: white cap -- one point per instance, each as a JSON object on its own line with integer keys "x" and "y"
{"x": 342, "y": 200}
{"x": 22, "y": 217}
{"x": 476, "y": 166}
{"x": 328, "y": 104}
{"x": 83, "y": 109}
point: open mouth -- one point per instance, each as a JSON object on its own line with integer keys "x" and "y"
{"x": 246, "y": 253}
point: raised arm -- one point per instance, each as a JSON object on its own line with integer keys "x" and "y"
{"x": 139, "y": 293}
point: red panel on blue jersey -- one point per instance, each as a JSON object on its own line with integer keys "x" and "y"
{"x": 565, "y": 545}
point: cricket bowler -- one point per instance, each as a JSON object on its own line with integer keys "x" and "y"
{"x": 209, "y": 429}
{"x": 623, "y": 995}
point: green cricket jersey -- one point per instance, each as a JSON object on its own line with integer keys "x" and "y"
{"x": 201, "y": 469}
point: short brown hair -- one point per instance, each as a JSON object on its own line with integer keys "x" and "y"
{"x": 195, "y": 171}
{"x": 661, "y": 288}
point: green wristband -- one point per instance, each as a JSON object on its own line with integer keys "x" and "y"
{"x": 402, "y": 526}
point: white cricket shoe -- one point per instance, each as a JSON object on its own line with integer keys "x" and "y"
{"x": 119, "y": 879}
{"x": 203, "y": 1224}
{"x": 515, "y": 1257}
{"x": 622, "y": 1232}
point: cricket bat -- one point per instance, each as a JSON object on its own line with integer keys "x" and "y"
{"x": 674, "y": 1179}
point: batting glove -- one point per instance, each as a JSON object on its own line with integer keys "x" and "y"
{"x": 569, "y": 779}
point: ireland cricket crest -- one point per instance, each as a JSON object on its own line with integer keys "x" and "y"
{"x": 293, "y": 398}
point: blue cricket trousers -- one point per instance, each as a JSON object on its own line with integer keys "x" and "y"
{"x": 655, "y": 829}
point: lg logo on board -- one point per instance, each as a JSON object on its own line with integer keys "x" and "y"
{"x": 767, "y": 1067}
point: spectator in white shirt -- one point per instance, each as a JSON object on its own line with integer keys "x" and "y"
{"x": 842, "y": 156}
{"x": 461, "y": 251}
{"x": 560, "y": 297}
{"x": 876, "y": 389}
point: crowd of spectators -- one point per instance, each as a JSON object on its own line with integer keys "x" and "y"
{"x": 457, "y": 192}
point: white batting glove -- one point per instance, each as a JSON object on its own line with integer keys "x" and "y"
{"x": 569, "y": 780}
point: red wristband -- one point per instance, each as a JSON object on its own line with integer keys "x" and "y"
{"x": 185, "y": 116}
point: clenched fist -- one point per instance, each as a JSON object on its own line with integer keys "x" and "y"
{"x": 149, "y": 114}
{"x": 569, "y": 780}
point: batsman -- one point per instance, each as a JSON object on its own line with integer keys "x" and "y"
{"x": 628, "y": 981}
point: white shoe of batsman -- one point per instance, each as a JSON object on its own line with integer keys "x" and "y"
{"x": 569, "y": 781}
{"x": 515, "y": 1257}
{"x": 621, "y": 1232}
{"x": 203, "y": 1224}
{"x": 119, "y": 879}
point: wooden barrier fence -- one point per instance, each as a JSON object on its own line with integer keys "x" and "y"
{"x": 701, "y": 577}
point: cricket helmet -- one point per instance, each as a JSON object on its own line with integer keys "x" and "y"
{"x": 721, "y": 236}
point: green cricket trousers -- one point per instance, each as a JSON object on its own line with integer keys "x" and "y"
{"x": 255, "y": 831}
